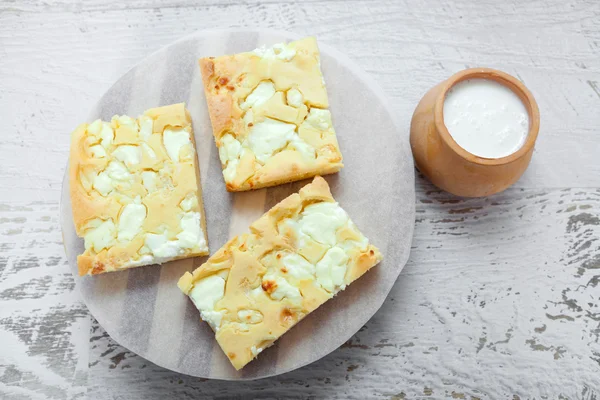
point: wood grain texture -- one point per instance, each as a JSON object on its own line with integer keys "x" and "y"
{"x": 500, "y": 296}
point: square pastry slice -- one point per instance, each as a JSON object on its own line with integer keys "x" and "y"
{"x": 270, "y": 117}
{"x": 298, "y": 255}
{"x": 135, "y": 191}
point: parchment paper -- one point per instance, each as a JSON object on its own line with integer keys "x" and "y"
{"x": 142, "y": 308}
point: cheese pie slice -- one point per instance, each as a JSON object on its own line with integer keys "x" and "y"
{"x": 135, "y": 191}
{"x": 270, "y": 117}
{"x": 298, "y": 255}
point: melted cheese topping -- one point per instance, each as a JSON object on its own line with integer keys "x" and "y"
{"x": 300, "y": 254}
{"x": 278, "y": 128}
{"x": 134, "y": 193}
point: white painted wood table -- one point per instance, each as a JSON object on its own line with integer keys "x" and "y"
{"x": 500, "y": 298}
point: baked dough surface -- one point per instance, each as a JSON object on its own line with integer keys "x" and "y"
{"x": 258, "y": 285}
{"x": 270, "y": 117}
{"x": 135, "y": 191}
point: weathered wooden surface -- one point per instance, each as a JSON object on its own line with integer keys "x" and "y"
{"x": 501, "y": 295}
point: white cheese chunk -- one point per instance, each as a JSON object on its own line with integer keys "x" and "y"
{"x": 230, "y": 170}
{"x": 321, "y": 221}
{"x": 130, "y": 221}
{"x": 144, "y": 250}
{"x": 257, "y": 292}
{"x": 255, "y": 350}
{"x": 298, "y": 267}
{"x": 102, "y": 183}
{"x": 162, "y": 248}
{"x": 294, "y": 98}
{"x": 118, "y": 171}
{"x": 143, "y": 260}
{"x": 292, "y": 225}
{"x": 146, "y": 127}
{"x": 174, "y": 140}
{"x": 130, "y": 155}
{"x": 303, "y": 148}
{"x": 95, "y": 127}
{"x": 248, "y": 117}
{"x": 97, "y": 151}
{"x": 282, "y": 289}
{"x": 149, "y": 150}
{"x": 189, "y": 203}
{"x": 319, "y": 119}
{"x": 240, "y": 326}
{"x": 107, "y": 135}
{"x": 149, "y": 180}
{"x": 205, "y": 294}
{"x": 263, "y": 92}
{"x": 268, "y": 136}
{"x": 104, "y": 131}
{"x": 213, "y": 318}
{"x": 191, "y": 235}
{"x": 230, "y": 149}
{"x": 279, "y": 51}
{"x": 250, "y": 316}
{"x": 165, "y": 177}
{"x": 125, "y": 120}
{"x": 99, "y": 235}
{"x": 331, "y": 270}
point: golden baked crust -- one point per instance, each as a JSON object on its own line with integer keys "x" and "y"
{"x": 135, "y": 191}
{"x": 298, "y": 255}
{"x": 269, "y": 115}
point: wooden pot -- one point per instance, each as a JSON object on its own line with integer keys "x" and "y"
{"x": 452, "y": 168}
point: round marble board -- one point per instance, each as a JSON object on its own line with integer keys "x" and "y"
{"x": 142, "y": 308}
